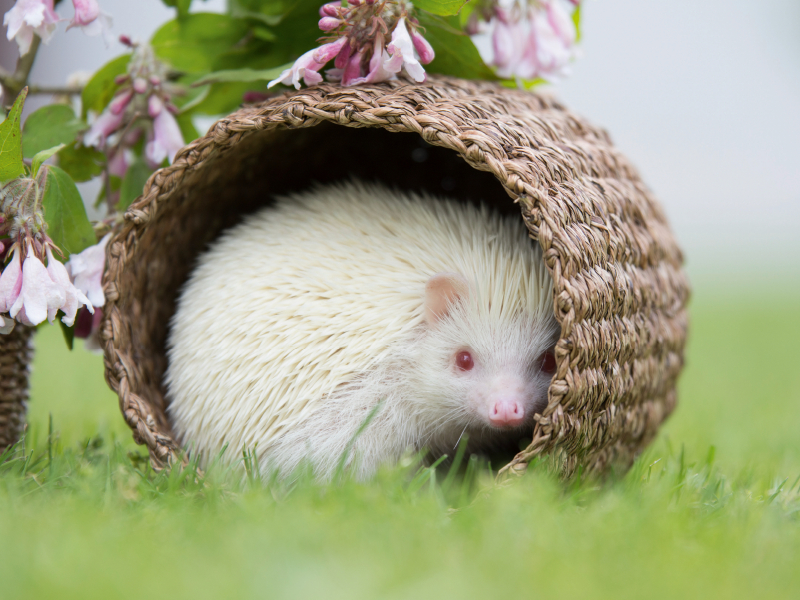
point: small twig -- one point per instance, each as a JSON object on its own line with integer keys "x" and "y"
{"x": 54, "y": 90}
{"x": 14, "y": 83}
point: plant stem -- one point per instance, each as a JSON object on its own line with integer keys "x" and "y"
{"x": 13, "y": 83}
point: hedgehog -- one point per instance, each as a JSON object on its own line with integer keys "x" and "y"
{"x": 351, "y": 323}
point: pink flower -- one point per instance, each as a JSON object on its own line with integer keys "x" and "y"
{"x": 154, "y": 105}
{"x": 86, "y": 11}
{"x": 121, "y": 101}
{"x": 91, "y": 19}
{"x": 106, "y": 124}
{"x": 27, "y": 17}
{"x": 73, "y": 297}
{"x": 166, "y": 138}
{"x": 529, "y": 41}
{"x": 11, "y": 283}
{"x": 508, "y": 43}
{"x": 331, "y": 9}
{"x": 352, "y": 70}
{"x": 382, "y": 66}
{"x": 329, "y": 23}
{"x": 119, "y": 161}
{"x": 86, "y": 270}
{"x": 307, "y": 66}
{"x": 140, "y": 85}
{"x": 360, "y": 49}
{"x": 39, "y": 296}
{"x": 423, "y": 48}
{"x": 551, "y": 43}
{"x": 402, "y": 47}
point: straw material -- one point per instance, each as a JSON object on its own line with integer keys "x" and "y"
{"x": 15, "y": 357}
{"x": 620, "y": 292}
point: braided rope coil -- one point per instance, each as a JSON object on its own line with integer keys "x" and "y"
{"x": 15, "y": 357}
{"x": 620, "y": 291}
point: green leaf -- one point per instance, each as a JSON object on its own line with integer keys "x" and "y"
{"x": 576, "y": 19}
{"x": 269, "y": 12}
{"x": 133, "y": 183}
{"x": 11, "y": 165}
{"x": 111, "y": 186}
{"x": 525, "y": 84}
{"x": 69, "y": 334}
{"x": 48, "y": 127}
{"x": 182, "y": 6}
{"x": 242, "y": 13}
{"x": 43, "y": 156}
{"x": 444, "y": 8}
{"x": 82, "y": 163}
{"x": 222, "y": 98}
{"x": 242, "y": 75}
{"x": 456, "y": 54}
{"x": 196, "y": 43}
{"x": 102, "y": 86}
{"x": 188, "y": 130}
{"x": 67, "y": 224}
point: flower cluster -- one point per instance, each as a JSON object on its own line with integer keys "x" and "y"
{"x": 141, "y": 107}
{"x": 529, "y": 39}
{"x": 29, "y": 17}
{"x": 29, "y": 291}
{"x": 368, "y": 40}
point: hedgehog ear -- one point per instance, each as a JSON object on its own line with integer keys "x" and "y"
{"x": 441, "y": 292}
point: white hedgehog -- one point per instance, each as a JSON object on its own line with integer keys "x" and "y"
{"x": 301, "y": 320}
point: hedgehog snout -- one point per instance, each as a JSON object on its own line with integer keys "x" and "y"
{"x": 506, "y": 412}
{"x": 507, "y": 403}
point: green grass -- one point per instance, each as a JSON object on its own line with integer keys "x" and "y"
{"x": 712, "y": 510}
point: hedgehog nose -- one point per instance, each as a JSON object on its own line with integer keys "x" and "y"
{"x": 506, "y": 413}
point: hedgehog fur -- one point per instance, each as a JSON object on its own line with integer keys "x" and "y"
{"x": 301, "y": 320}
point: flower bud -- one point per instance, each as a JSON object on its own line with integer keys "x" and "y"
{"x": 331, "y": 9}
{"x": 120, "y": 102}
{"x": 422, "y": 47}
{"x": 154, "y": 105}
{"x": 106, "y": 124}
{"x": 139, "y": 85}
{"x": 329, "y": 23}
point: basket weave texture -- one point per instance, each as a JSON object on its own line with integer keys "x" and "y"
{"x": 15, "y": 356}
{"x": 620, "y": 291}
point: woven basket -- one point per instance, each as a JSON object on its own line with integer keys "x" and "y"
{"x": 15, "y": 357}
{"x": 620, "y": 292}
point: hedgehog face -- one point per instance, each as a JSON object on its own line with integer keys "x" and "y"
{"x": 480, "y": 370}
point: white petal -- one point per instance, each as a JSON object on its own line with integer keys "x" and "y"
{"x": 6, "y": 325}
{"x": 11, "y": 283}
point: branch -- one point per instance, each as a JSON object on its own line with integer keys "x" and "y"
{"x": 54, "y": 90}
{"x": 14, "y": 83}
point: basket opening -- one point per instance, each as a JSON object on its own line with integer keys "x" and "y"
{"x": 242, "y": 179}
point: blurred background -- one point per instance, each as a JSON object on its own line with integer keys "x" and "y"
{"x": 702, "y": 96}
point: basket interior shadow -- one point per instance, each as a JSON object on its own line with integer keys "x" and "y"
{"x": 620, "y": 292}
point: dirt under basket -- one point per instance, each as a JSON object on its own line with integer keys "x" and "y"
{"x": 620, "y": 291}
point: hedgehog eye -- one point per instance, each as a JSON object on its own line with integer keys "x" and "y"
{"x": 547, "y": 362}
{"x": 464, "y": 361}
